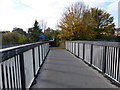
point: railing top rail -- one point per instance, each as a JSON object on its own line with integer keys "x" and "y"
{"x": 20, "y": 46}
{"x": 101, "y": 43}
{"x": 15, "y": 50}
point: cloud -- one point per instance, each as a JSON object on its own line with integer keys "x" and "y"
{"x": 18, "y": 5}
{"x": 22, "y": 13}
{"x": 113, "y": 10}
{"x": 111, "y": 6}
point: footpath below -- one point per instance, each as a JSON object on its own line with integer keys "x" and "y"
{"x": 63, "y": 70}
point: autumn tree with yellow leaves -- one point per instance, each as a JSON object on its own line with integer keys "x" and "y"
{"x": 79, "y": 22}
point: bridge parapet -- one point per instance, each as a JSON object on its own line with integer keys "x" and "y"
{"x": 20, "y": 64}
{"x": 104, "y": 56}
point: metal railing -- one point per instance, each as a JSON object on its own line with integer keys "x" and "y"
{"x": 20, "y": 64}
{"x": 104, "y": 56}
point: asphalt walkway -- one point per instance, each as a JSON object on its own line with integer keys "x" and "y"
{"x": 63, "y": 70}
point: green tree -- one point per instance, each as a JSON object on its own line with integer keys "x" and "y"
{"x": 34, "y": 32}
{"x": 22, "y": 38}
{"x": 11, "y": 37}
{"x": 50, "y": 34}
{"x": 104, "y": 21}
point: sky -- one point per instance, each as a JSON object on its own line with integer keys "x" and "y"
{"x": 23, "y": 13}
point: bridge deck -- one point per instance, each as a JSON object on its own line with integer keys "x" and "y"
{"x": 63, "y": 70}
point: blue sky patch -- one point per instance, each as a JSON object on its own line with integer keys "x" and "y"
{"x": 18, "y": 5}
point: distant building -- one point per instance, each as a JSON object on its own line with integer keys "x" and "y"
{"x": 117, "y": 32}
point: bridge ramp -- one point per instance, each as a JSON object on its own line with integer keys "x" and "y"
{"x": 63, "y": 70}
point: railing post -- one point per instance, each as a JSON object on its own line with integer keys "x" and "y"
{"x": 74, "y": 48}
{"x": 91, "y": 54}
{"x": 118, "y": 65}
{"x": 78, "y": 49}
{"x": 2, "y": 74}
{"x": 104, "y": 59}
{"x": 65, "y": 45}
{"x": 22, "y": 70}
{"x": 83, "y": 51}
{"x": 33, "y": 53}
{"x": 39, "y": 54}
{"x": 42, "y": 52}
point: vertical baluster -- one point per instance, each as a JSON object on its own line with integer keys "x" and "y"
{"x": 77, "y": 49}
{"x": 1, "y": 77}
{"x": 91, "y": 55}
{"x": 12, "y": 76}
{"x": 9, "y": 73}
{"x": 41, "y": 56}
{"x": 5, "y": 75}
{"x": 22, "y": 70}
{"x": 118, "y": 70}
{"x": 109, "y": 59}
{"x": 19, "y": 73}
{"x": 15, "y": 75}
{"x": 104, "y": 59}
{"x": 116, "y": 63}
{"x": 16, "y": 66}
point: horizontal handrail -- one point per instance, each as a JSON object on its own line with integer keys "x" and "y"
{"x": 20, "y": 46}
{"x": 102, "y": 43}
{"x": 11, "y": 51}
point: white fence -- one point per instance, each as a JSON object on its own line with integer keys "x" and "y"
{"x": 20, "y": 64}
{"x": 104, "y": 56}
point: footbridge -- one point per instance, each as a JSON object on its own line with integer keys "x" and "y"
{"x": 82, "y": 64}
